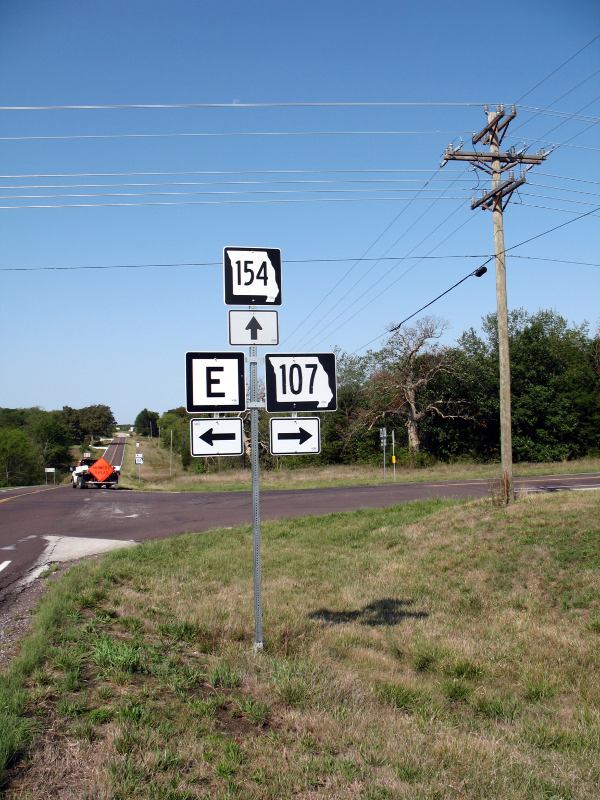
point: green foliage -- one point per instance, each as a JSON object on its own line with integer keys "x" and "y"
{"x": 555, "y": 370}
{"x": 146, "y": 423}
{"x": 19, "y": 461}
{"x": 31, "y": 439}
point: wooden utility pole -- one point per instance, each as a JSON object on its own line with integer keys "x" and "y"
{"x": 495, "y": 163}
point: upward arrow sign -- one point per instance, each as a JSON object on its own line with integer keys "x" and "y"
{"x": 254, "y": 327}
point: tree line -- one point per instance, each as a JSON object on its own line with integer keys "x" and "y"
{"x": 32, "y": 439}
{"x": 443, "y": 401}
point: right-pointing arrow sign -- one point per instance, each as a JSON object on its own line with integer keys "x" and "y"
{"x": 300, "y": 436}
{"x": 294, "y": 436}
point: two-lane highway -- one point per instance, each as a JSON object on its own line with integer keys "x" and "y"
{"x": 39, "y": 525}
{"x": 115, "y": 452}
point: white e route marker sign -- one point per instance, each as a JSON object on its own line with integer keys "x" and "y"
{"x": 301, "y": 382}
{"x": 252, "y": 276}
{"x": 295, "y": 436}
{"x": 253, "y": 327}
{"x": 215, "y": 382}
{"x": 216, "y": 437}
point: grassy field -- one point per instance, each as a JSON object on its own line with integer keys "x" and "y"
{"x": 155, "y": 473}
{"x": 432, "y": 651}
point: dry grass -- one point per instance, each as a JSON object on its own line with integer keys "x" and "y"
{"x": 155, "y": 474}
{"x": 432, "y": 651}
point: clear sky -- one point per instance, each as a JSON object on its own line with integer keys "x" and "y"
{"x": 118, "y": 336}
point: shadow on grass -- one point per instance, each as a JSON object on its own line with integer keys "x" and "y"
{"x": 388, "y": 611}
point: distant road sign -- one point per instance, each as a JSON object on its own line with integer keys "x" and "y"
{"x": 252, "y": 276}
{"x": 295, "y": 435}
{"x": 301, "y": 382}
{"x": 49, "y": 469}
{"x": 215, "y": 382}
{"x": 139, "y": 458}
{"x": 253, "y": 327}
{"x": 216, "y": 437}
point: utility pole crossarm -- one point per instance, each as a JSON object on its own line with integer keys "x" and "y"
{"x": 505, "y": 189}
{"x": 494, "y": 122}
{"x": 506, "y": 158}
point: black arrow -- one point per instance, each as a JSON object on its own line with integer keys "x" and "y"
{"x": 209, "y": 437}
{"x": 302, "y": 436}
{"x": 254, "y": 327}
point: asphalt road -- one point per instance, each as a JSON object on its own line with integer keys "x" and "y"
{"x": 43, "y": 524}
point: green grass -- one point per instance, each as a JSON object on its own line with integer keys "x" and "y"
{"x": 409, "y": 651}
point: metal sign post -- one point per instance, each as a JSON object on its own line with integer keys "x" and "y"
{"x": 383, "y": 439}
{"x": 254, "y": 455}
{"x": 394, "y": 452}
{"x": 215, "y": 383}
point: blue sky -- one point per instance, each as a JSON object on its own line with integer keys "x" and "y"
{"x": 119, "y": 336}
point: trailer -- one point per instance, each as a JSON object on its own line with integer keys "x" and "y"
{"x": 91, "y": 472}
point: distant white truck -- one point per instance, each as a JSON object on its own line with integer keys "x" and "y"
{"x": 95, "y": 472}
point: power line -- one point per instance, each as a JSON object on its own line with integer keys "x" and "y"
{"x": 285, "y": 104}
{"x": 556, "y": 145}
{"x": 557, "y": 100}
{"x": 395, "y": 281}
{"x": 566, "y": 177}
{"x": 219, "y": 134}
{"x": 506, "y": 250}
{"x": 557, "y": 260}
{"x": 546, "y": 208}
{"x": 362, "y": 277}
{"x": 560, "y": 66}
{"x": 230, "y": 183}
{"x": 210, "y": 172}
{"x": 229, "y": 192}
{"x": 212, "y": 192}
{"x": 223, "y": 202}
{"x": 551, "y": 230}
{"x": 187, "y": 264}
{"x": 551, "y": 112}
{"x": 565, "y": 188}
{"x": 559, "y": 199}
{"x": 481, "y": 270}
{"x": 593, "y": 120}
{"x": 353, "y": 266}
{"x": 220, "y": 263}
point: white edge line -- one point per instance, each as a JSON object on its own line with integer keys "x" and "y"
{"x": 4, "y": 564}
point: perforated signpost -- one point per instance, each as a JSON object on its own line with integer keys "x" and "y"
{"x": 215, "y": 383}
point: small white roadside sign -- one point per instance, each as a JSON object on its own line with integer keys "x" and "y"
{"x": 253, "y": 327}
{"x": 252, "y": 276}
{"x": 215, "y": 382}
{"x": 216, "y": 437}
{"x": 304, "y": 382}
{"x": 295, "y": 436}
{"x": 139, "y": 458}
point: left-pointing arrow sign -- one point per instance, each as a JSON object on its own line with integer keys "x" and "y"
{"x": 209, "y": 437}
{"x": 216, "y": 437}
